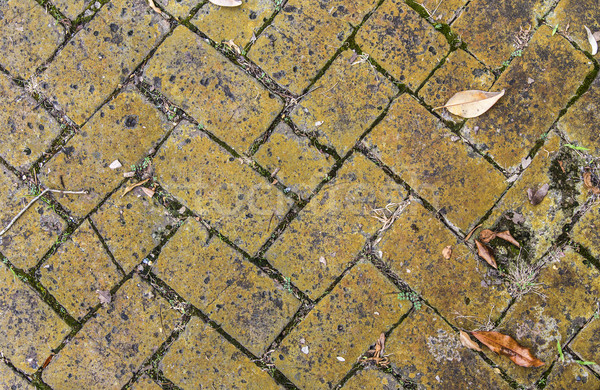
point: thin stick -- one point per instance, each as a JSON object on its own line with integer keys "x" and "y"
{"x": 33, "y": 201}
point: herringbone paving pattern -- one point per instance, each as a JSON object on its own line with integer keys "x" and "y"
{"x": 270, "y": 187}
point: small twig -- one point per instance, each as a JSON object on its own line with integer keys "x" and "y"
{"x": 33, "y": 201}
{"x": 471, "y": 232}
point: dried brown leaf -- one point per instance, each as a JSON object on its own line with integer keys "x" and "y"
{"x": 48, "y": 360}
{"x": 447, "y": 252}
{"x": 380, "y": 346}
{"x": 131, "y": 187}
{"x": 537, "y": 195}
{"x": 592, "y": 41}
{"x": 486, "y": 254}
{"x": 231, "y": 44}
{"x": 506, "y": 236}
{"x": 467, "y": 342}
{"x": 148, "y": 192}
{"x": 587, "y": 180}
{"x": 226, "y": 3}
{"x": 104, "y": 296}
{"x": 507, "y": 346}
{"x": 487, "y": 235}
{"x": 472, "y": 103}
{"x": 376, "y": 355}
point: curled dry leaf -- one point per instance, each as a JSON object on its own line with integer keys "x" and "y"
{"x": 472, "y": 103}
{"x": 148, "y": 192}
{"x": 507, "y": 346}
{"x": 467, "y": 342}
{"x": 447, "y": 252}
{"x": 592, "y": 41}
{"x": 131, "y": 187}
{"x": 506, "y": 236}
{"x": 231, "y": 44}
{"x": 486, "y": 254}
{"x": 587, "y": 180}
{"x": 537, "y": 195}
{"x": 487, "y": 235}
{"x": 226, "y": 3}
{"x": 376, "y": 355}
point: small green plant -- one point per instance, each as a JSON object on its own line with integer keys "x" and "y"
{"x": 200, "y": 126}
{"x": 14, "y": 274}
{"x": 555, "y": 30}
{"x": 560, "y": 352}
{"x": 517, "y": 53}
{"x": 585, "y": 362}
{"x": 288, "y": 284}
{"x": 575, "y": 147}
{"x": 411, "y": 296}
{"x": 506, "y": 63}
{"x": 172, "y": 114}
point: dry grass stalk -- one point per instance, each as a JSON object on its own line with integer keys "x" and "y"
{"x": 389, "y": 214}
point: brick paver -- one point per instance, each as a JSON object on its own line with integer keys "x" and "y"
{"x": 329, "y": 233}
{"x": 244, "y": 301}
{"x": 220, "y": 188}
{"x": 429, "y": 353}
{"x": 344, "y": 103}
{"x": 132, "y": 226}
{"x": 494, "y": 42}
{"x": 321, "y": 26}
{"x": 435, "y": 163}
{"x": 556, "y": 309}
{"x": 37, "y": 230}
{"x": 84, "y": 163}
{"x": 29, "y": 329}
{"x": 28, "y": 36}
{"x": 204, "y": 358}
{"x": 74, "y": 282}
{"x": 320, "y": 351}
{"x": 27, "y": 129}
{"x": 532, "y": 104}
{"x": 403, "y": 42}
{"x": 101, "y": 56}
{"x": 229, "y": 103}
{"x": 256, "y": 217}
{"x": 116, "y": 341}
{"x": 293, "y": 161}
{"x": 225, "y": 24}
{"x": 10, "y": 380}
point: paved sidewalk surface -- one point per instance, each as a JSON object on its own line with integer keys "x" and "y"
{"x": 271, "y": 187}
